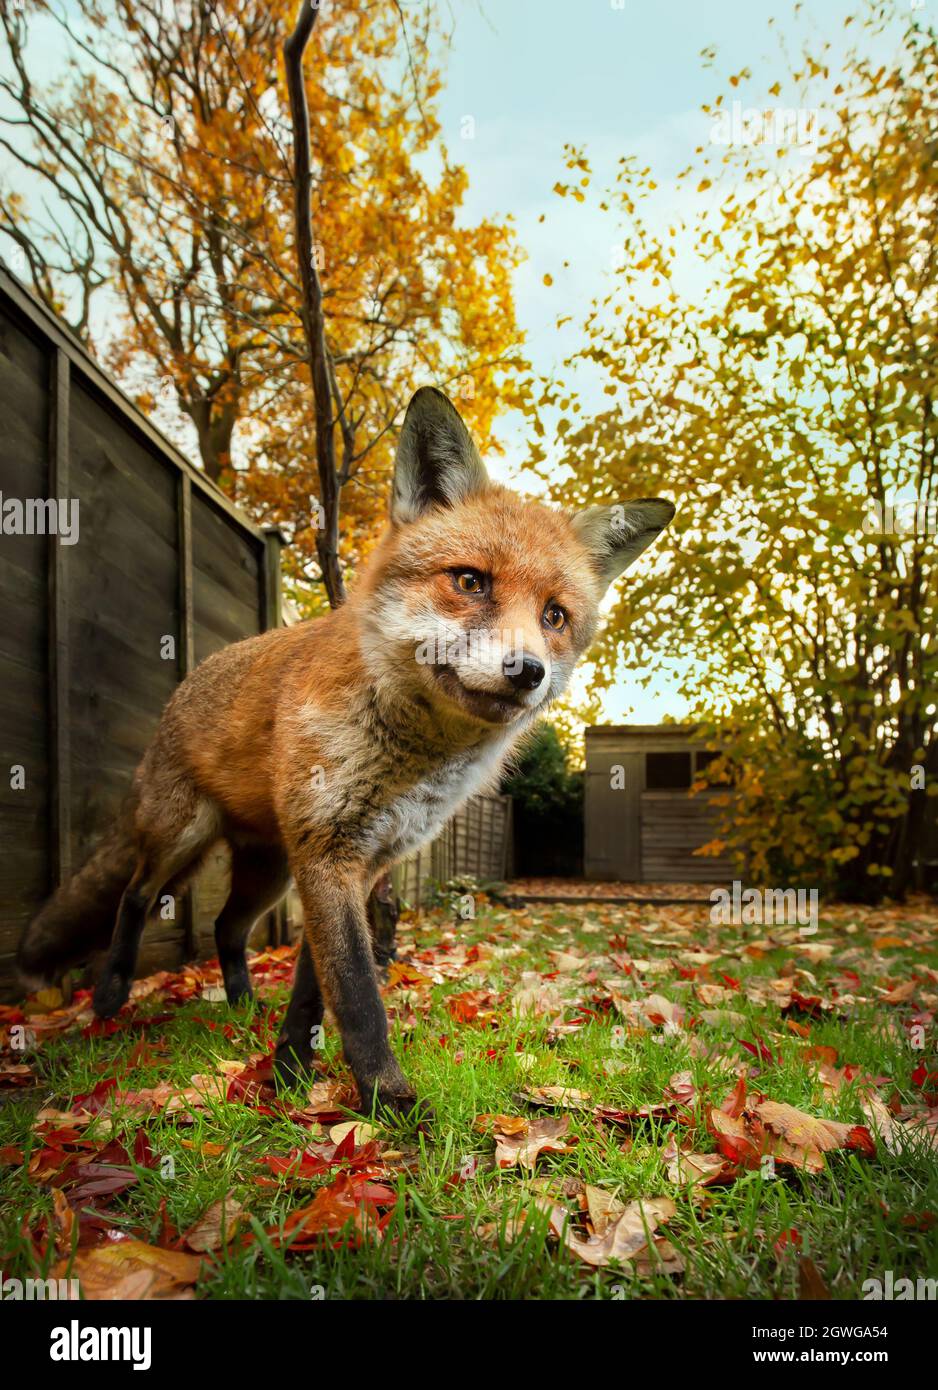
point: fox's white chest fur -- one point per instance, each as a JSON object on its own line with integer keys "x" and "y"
{"x": 418, "y": 814}
{"x": 396, "y": 797}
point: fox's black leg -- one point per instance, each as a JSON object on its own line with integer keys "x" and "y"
{"x": 116, "y": 978}
{"x": 259, "y": 879}
{"x": 172, "y": 835}
{"x": 304, "y": 1014}
{"x": 337, "y": 929}
{"x": 383, "y": 913}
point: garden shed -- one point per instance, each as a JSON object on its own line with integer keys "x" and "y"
{"x": 641, "y": 822}
{"x": 121, "y": 566}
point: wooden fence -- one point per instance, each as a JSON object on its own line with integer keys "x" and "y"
{"x": 475, "y": 844}
{"x": 97, "y": 628}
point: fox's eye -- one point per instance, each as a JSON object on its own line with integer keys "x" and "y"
{"x": 555, "y": 617}
{"x": 469, "y": 581}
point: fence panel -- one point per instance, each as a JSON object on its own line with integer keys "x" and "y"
{"x": 95, "y": 635}
{"x": 474, "y": 844}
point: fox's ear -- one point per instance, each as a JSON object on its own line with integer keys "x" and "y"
{"x": 617, "y": 535}
{"x": 437, "y": 463}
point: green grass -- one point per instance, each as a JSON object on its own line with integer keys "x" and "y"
{"x": 486, "y": 1237}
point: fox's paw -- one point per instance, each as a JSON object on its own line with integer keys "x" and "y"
{"x": 395, "y": 1102}
{"x": 292, "y": 1064}
{"x": 238, "y": 990}
{"x": 110, "y": 995}
{"x": 405, "y": 1110}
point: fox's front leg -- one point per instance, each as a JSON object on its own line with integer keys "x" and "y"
{"x": 336, "y": 926}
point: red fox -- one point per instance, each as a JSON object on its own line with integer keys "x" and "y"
{"x": 326, "y": 751}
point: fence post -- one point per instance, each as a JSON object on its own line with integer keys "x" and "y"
{"x": 185, "y": 663}
{"x": 278, "y": 927}
{"x": 272, "y": 602}
{"x": 59, "y": 731}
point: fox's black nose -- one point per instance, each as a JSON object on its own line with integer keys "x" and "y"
{"x": 524, "y": 672}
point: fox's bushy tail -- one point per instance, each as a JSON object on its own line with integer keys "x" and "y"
{"x": 79, "y": 917}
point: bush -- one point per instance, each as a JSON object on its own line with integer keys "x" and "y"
{"x": 548, "y": 808}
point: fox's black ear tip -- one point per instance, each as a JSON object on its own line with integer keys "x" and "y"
{"x": 428, "y": 393}
{"x": 659, "y": 510}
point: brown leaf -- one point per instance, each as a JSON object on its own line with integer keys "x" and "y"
{"x": 541, "y": 1136}
{"x": 64, "y": 1219}
{"x": 897, "y": 1134}
{"x": 504, "y": 1124}
{"x": 624, "y": 1238}
{"x": 603, "y": 1209}
{"x": 216, "y": 1226}
{"x": 133, "y": 1270}
{"x": 810, "y": 1284}
{"x": 767, "y": 1127}
{"x": 696, "y": 1169}
{"x": 803, "y": 1130}
{"x": 566, "y": 1097}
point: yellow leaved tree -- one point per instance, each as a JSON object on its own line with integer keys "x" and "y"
{"x": 789, "y": 409}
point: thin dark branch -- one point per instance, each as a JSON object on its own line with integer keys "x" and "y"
{"x": 327, "y": 536}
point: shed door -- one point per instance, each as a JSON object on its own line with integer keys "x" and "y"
{"x": 614, "y": 784}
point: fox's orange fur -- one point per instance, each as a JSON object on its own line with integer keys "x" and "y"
{"x": 328, "y": 750}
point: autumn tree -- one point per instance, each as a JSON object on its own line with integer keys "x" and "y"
{"x": 785, "y": 413}
{"x": 158, "y": 176}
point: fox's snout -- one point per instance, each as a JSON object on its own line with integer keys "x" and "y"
{"x": 523, "y": 671}
{"x": 505, "y": 665}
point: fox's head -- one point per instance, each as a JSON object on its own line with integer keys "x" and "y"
{"x": 478, "y": 602}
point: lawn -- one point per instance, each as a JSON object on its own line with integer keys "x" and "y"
{"x": 626, "y": 1104}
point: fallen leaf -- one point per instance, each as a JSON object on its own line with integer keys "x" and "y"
{"x": 216, "y": 1226}
{"x": 541, "y": 1136}
{"x": 624, "y": 1238}
{"x": 130, "y": 1269}
{"x": 360, "y": 1129}
{"x": 603, "y": 1208}
{"x": 566, "y": 1097}
{"x": 810, "y": 1284}
{"x": 897, "y": 1135}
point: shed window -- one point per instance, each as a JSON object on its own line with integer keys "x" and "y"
{"x": 667, "y": 771}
